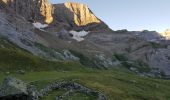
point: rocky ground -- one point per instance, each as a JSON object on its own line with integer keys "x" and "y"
{"x": 13, "y": 88}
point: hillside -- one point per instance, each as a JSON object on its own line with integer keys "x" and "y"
{"x": 63, "y": 51}
{"x": 114, "y": 83}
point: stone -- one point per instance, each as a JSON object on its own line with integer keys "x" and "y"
{"x": 71, "y": 87}
{"x": 21, "y": 72}
{"x": 64, "y": 34}
{"x": 69, "y": 56}
{"x": 15, "y": 89}
{"x": 7, "y": 73}
{"x": 33, "y": 92}
{"x": 12, "y": 86}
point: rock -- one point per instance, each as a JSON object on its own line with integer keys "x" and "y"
{"x": 33, "y": 93}
{"x": 71, "y": 87}
{"x": 64, "y": 34}
{"x": 15, "y": 89}
{"x": 68, "y": 15}
{"x": 32, "y": 10}
{"x": 69, "y": 56}
{"x": 7, "y": 73}
{"x": 12, "y": 86}
{"x": 133, "y": 69}
{"x": 77, "y": 17}
{"x": 21, "y": 72}
{"x": 65, "y": 95}
{"x": 122, "y": 31}
{"x": 166, "y": 34}
{"x": 102, "y": 60}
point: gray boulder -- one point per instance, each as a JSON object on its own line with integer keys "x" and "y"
{"x": 69, "y": 56}
{"x": 12, "y": 86}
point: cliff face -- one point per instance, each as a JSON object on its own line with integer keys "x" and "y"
{"x": 35, "y": 10}
{"x": 77, "y": 16}
{"x": 72, "y": 16}
{"x": 81, "y": 13}
{"x": 166, "y": 34}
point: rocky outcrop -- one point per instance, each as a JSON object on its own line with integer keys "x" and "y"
{"x": 166, "y": 34}
{"x": 78, "y": 17}
{"x": 72, "y": 16}
{"x": 71, "y": 87}
{"x": 32, "y": 10}
{"x": 80, "y": 14}
{"x": 13, "y": 89}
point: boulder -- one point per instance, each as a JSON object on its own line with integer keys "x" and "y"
{"x": 15, "y": 89}
{"x": 12, "y": 86}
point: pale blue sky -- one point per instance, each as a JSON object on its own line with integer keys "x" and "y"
{"x": 130, "y": 14}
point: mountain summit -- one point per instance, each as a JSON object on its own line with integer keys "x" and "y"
{"x": 35, "y": 10}
{"x": 77, "y": 16}
{"x": 68, "y": 15}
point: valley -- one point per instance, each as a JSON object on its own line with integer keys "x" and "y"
{"x": 64, "y": 52}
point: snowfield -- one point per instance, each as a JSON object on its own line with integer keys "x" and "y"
{"x": 39, "y": 25}
{"x": 79, "y": 35}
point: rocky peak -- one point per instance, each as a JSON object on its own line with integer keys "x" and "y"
{"x": 82, "y": 14}
{"x": 70, "y": 15}
{"x": 77, "y": 16}
{"x": 33, "y": 10}
{"x": 166, "y": 34}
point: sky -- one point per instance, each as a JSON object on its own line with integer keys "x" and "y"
{"x": 133, "y": 15}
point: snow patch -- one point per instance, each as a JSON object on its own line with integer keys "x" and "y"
{"x": 39, "y": 25}
{"x": 79, "y": 35}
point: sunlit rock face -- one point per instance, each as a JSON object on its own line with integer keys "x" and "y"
{"x": 71, "y": 16}
{"x": 35, "y": 10}
{"x": 78, "y": 17}
{"x": 81, "y": 13}
{"x": 166, "y": 34}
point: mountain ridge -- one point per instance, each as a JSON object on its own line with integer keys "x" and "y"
{"x": 68, "y": 15}
{"x": 98, "y": 44}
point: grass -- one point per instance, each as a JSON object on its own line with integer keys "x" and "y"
{"x": 139, "y": 65}
{"x": 50, "y": 51}
{"x": 84, "y": 60}
{"x": 13, "y": 58}
{"x": 116, "y": 84}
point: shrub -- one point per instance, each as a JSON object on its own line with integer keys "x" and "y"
{"x": 120, "y": 57}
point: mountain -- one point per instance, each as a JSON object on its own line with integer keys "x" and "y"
{"x": 69, "y": 15}
{"x": 78, "y": 16}
{"x": 32, "y": 10}
{"x": 73, "y": 29}
{"x": 42, "y": 43}
{"x": 166, "y": 34}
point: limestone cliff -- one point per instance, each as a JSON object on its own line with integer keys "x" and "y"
{"x": 78, "y": 17}
{"x": 81, "y": 13}
{"x": 70, "y": 15}
{"x": 33, "y": 10}
{"x": 166, "y": 34}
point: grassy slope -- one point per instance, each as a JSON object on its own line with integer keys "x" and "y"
{"x": 116, "y": 84}
{"x": 13, "y": 58}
